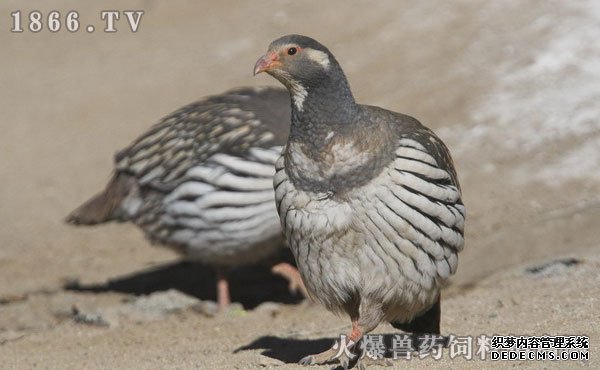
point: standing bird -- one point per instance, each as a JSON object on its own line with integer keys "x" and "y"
{"x": 368, "y": 199}
{"x": 200, "y": 181}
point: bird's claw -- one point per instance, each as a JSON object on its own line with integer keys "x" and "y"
{"x": 347, "y": 359}
{"x": 319, "y": 358}
{"x": 308, "y": 360}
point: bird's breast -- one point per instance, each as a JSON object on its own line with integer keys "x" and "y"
{"x": 335, "y": 167}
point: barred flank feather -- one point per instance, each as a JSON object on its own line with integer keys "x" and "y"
{"x": 226, "y": 203}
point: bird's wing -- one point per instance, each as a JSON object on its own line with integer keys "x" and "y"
{"x": 418, "y": 206}
{"x": 230, "y": 123}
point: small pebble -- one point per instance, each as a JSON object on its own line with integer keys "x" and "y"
{"x": 88, "y": 318}
{"x": 206, "y": 308}
{"x": 236, "y": 309}
{"x": 269, "y": 362}
{"x": 555, "y": 267}
{"x": 165, "y": 302}
{"x": 270, "y": 308}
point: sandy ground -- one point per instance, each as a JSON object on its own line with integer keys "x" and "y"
{"x": 511, "y": 86}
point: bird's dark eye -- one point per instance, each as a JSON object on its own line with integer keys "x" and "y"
{"x": 292, "y": 51}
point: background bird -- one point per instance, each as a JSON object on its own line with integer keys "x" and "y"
{"x": 369, "y": 199}
{"x": 200, "y": 181}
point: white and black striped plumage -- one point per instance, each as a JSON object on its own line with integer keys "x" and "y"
{"x": 369, "y": 199}
{"x": 200, "y": 180}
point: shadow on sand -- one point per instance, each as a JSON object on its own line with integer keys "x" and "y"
{"x": 291, "y": 350}
{"x": 250, "y": 285}
{"x": 288, "y": 350}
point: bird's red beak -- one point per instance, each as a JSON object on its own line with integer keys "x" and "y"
{"x": 266, "y": 62}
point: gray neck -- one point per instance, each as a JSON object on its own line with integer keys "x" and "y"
{"x": 328, "y": 103}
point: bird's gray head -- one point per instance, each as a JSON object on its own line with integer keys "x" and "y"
{"x": 306, "y": 68}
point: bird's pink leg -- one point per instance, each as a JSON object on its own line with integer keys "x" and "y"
{"x": 223, "y": 297}
{"x": 356, "y": 334}
{"x": 292, "y": 275}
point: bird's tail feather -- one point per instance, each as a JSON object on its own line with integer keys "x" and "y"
{"x": 104, "y": 206}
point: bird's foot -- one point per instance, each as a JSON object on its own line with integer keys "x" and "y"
{"x": 319, "y": 358}
{"x": 291, "y": 274}
{"x": 344, "y": 353}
